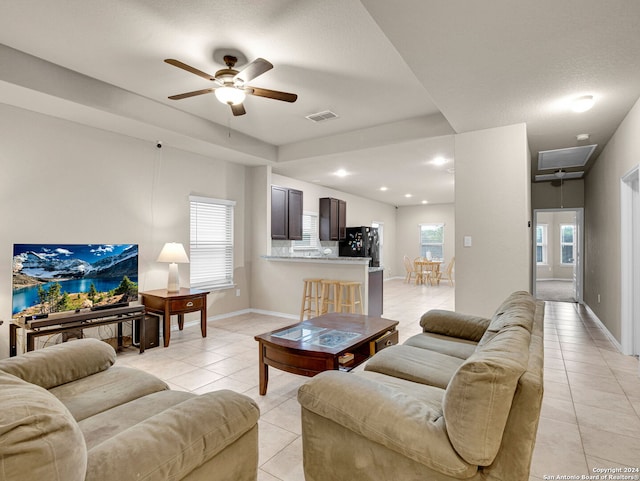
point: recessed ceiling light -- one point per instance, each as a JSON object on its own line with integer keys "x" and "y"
{"x": 341, "y": 173}
{"x": 439, "y": 161}
{"x": 425, "y": 201}
{"x": 582, "y": 136}
{"x": 582, "y": 104}
{"x": 383, "y": 188}
{"x": 407, "y": 195}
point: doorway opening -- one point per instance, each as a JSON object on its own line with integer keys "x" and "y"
{"x": 630, "y": 261}
{"x": 557, "y": 254}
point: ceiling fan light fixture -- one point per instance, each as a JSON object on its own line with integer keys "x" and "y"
{"x": 582, "y": 104}
{"x": 230, "y": 95}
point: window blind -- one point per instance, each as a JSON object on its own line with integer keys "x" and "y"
{"x": 211, "y": 255}
{"x": 309, "y": 233}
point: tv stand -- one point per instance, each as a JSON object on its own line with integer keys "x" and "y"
{"x": 62, "y": 323}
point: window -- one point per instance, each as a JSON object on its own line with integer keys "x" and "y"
{"x": 309, "y": 233}
{"x": 541, "y": 244}
{"x": 432, "y": 240}
{"x": 567, "y": 236}
{"x": 211, "y": 255}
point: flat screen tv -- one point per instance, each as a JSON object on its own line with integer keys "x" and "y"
{"x": 50, "y": 278}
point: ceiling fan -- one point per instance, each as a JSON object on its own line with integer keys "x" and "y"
{"x": 231, "y": 87}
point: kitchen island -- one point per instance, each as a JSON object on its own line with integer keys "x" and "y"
{"x": 287, "y": 272}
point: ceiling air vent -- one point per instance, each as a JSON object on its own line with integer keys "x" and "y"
{"x": 322, "y": 116}
{"x": 563, "y": 158}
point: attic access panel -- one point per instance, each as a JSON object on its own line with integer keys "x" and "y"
{"x": 564, "y": 158}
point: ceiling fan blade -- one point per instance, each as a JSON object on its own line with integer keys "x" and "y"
{"x": 188, "y": 68}
{"x": 255, "y": 68}
{"x": 237, "y": 109}
{"x": 191, "y": 94}
{"x": 272, "y": 94}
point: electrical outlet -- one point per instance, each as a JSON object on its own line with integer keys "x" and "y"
{"x": 237, "y": 292}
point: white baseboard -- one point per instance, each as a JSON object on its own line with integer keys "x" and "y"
{"x": 613, "y": 340}
{"x": 196, "y": 322}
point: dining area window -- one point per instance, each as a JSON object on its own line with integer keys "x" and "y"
{"x": 432, "y": 241}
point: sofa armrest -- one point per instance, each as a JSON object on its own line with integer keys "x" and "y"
{"x": 385, "y": 416}
{"x": 178, "y": 440}
{"x": 61, "y": 363}
{"x": 449, "y": 323}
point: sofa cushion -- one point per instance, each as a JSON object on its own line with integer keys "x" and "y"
{"x": 451, "y": 346}
{"x": 454, "y": 324}
{"x": 40, "y": 438}
{"x": 478, "y": 399}
{"x": 172, "y": 443}
{"x": 61, "y": 363}
{"x": 94, "y": 394}
{"x": 517, "y": 310}
{"x": 415, "y": 364}
{"x": 103, "y": 426}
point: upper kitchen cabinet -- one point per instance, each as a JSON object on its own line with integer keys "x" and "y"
{"x": 333, "y": 219}
{"x": 286, "y": 213}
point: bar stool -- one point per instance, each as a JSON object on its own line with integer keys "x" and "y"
{"x": 348, "y": 297}
{"x": 330, "y": 295}
{"x": 310, "y": 298}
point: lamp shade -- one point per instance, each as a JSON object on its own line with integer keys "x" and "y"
{"x": 173, "y": 252}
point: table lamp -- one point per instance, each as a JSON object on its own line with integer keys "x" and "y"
{"x": 174, "y": 254}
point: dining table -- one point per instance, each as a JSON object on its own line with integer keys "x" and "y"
{"x": 427, "y": 271}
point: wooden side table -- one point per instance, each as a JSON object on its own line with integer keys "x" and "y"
{"x": 165, "y": 303}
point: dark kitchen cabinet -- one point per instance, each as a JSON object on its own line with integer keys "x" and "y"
{"x": 333, "y": 219}
{"x": 286, "y": 213}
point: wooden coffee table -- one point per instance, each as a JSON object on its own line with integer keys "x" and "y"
{"x": 315, "y": 345}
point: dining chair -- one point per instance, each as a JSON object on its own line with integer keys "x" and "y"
{"x": 411, "y": 270}
{"x": 449, "y": 272}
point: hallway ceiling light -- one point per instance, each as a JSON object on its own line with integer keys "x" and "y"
{"x": 582, "y": 137}
{"x": 383, "y": 188}
{"x": 341, "y": 173}
{"x": 439, "y": 161}
{"x": 582, "y": 104}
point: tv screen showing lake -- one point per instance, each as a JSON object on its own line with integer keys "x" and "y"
{"x": 65, "y": 277}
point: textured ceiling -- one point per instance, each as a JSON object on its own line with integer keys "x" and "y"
{"x": 402, "y": 76}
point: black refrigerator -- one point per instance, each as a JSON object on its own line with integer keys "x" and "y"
{"x": 362, "y": 242}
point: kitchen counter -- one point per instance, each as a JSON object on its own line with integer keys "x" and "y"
{"x": 286, "y": 274}
{"x": 324, "y": 259}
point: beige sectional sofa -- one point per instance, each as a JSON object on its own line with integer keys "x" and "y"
{"x": 459, "y": 401}
{"x": 68, "y": 415}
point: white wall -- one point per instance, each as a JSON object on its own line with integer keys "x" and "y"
{"x": 493, "y": 207}
{"x": 602, "y": 221}
{"x": 62, "y": 182}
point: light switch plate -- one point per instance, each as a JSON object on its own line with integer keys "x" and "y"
{"x": 467, "y": 241}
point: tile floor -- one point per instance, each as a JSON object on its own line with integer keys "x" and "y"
{"x": 591, "y": 409}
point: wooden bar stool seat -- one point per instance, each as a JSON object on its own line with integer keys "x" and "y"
{"x": 350, "y": 293}
{"x": 311, "y": 297}
{"x": 330, "y": 295}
